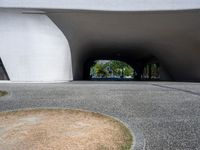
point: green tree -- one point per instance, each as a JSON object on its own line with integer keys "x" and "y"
{"x": 99, "y": 70}
{"x": 113, "y": 67}
{"x": 121, "y": 68}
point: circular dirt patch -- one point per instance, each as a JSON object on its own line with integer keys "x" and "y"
{"x": 61, "y": 129}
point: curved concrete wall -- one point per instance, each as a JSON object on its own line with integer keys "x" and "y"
{"x": 33, "y": 49}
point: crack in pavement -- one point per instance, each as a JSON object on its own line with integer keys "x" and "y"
{"x": 177, "y": 89}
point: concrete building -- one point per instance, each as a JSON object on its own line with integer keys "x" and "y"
{"x": 56, "y": 41}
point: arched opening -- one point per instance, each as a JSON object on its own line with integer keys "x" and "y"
{"x": 3, "y": 73}
{"x": 146, "y": 65}
{"x": 114, "y": 70}
{"x": 118, "y": 70}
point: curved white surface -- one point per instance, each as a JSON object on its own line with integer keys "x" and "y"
{"x": 107, "y": 5}
{"x": 33, "y": 49}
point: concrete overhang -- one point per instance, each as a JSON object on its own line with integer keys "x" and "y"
{"x": 104, "y": 5}
{"x": 171, "y": 36}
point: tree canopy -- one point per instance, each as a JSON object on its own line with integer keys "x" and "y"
{"x": 111, "y": 69}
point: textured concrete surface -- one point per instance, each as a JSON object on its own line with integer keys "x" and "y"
{"x": 162, "y": 115}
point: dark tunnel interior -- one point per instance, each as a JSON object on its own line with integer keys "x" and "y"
{"x": 139, "y": 59}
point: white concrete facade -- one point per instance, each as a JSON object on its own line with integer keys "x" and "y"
{"x": 33, "y": 49}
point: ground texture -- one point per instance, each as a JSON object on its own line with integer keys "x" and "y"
{"x": 51, "y": 129}
{"x": 162, "y": 115}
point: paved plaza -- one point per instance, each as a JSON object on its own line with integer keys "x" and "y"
{"x": 161, "y": 115}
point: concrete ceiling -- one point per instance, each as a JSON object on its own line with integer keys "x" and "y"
{"x": 171, "y": 36}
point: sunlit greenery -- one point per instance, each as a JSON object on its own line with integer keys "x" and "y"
{"x": 119, "y": 70}
{"x": 111, "y": 69}
{"x": 151, "y": 71}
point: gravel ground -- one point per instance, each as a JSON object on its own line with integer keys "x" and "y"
{"x": 161, "y": 115}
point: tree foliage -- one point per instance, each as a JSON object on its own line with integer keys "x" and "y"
{"x": 111, "y": 68}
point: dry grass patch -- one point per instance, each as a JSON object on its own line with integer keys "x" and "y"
{"x": 62, "y": 129}
{"x": 3, "y": 93}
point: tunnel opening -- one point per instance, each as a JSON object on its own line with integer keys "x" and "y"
{"x": 113, "y": 70}
{"x": 145, "y": 65}
{"x": 151, "y": 71}
{"x": 3, "y": 73}
{"x": 119, "y": 70}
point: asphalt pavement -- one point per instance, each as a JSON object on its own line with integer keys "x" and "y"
{"x": 161, "y": 115}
